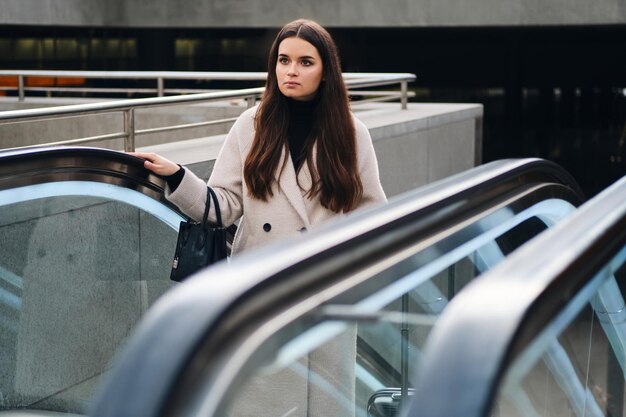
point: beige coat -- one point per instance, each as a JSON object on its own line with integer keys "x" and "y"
{"x": 285, "y": 214}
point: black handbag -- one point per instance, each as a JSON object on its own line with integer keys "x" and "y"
{"x": 199, "y": 244}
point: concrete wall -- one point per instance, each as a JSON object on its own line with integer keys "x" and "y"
{"x": 274, "y": 13}
{"x": 53, "y": 12}
{"x": 424, "y": 143}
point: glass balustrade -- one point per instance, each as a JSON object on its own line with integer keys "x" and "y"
{"x": 80, "y": 263}
{"x": 575, "y": 366}
{"x": 356, "y": 355}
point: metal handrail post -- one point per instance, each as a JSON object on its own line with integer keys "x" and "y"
{"x": 404, "y": 353}
{"x": 20, "y": 87}
{"x": 404, "y": 89}
{"x": 160, "y": 87}
{"x": 250, "y": 101}
{"x": 129, "y": 130}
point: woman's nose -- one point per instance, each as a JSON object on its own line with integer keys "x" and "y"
{"x": 292, "y": 70}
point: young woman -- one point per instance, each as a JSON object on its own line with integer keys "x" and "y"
{"x": 294, "y": 161}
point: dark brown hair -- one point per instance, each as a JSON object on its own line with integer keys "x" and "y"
{"x": 335, "y": 172}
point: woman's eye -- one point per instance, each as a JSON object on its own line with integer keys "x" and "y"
{"x": 283, "y": 60}
{"x": 306, "y": 63}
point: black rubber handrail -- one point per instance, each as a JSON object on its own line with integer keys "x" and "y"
{"x": 489, "y": 324}
{"x": 200, "y": 321}
{"x": 42, "y": 165}
{"x": 39, "y": 165}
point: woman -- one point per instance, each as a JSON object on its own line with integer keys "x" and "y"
{"x": 297, "y": 159}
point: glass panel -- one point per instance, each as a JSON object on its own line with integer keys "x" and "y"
{"x": 320, "y": 382}
{"x": 77, "y": 272}
{"x": 325, "y": 380}
{"x": 355, "y": 367}
{"x": 380, "y": 347}
{"x": 576, "y": 366}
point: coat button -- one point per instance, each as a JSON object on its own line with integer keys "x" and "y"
{"x": 267, "y": 227}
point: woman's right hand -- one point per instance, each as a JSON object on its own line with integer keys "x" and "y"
{"x": 156, "y": 163}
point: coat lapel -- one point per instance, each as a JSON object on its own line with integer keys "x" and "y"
{"x": 290, "y": 188}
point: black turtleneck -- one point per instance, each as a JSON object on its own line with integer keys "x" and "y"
{"x": 300, "y": 125}
{"x": 301, "y": 115}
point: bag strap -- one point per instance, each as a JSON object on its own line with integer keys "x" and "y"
{"x": 206, "y": 210}
{"x": 218, "y": 213}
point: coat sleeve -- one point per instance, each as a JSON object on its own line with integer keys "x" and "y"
{"x": 373, "y": 192}
{"x": 226, "y": 178}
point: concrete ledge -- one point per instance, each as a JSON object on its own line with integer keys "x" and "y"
{"x": 417, "y": 116}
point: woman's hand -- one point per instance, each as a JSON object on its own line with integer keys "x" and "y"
{"x": 156, "y": 163}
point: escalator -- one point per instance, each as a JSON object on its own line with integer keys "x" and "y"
{"x": 333, "y": 322}
{"x": 541, "y": 334}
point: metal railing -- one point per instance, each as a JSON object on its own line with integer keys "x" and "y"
{"x": 128, "y": 107}
{"x": 159, "y": 77}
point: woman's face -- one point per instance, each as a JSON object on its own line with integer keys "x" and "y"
{"x": 298, "y": 69}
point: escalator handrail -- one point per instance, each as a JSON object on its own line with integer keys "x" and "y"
{"x": 204, "y": 307}
{"x": 491, "y": 322}
{"x": 37, "y": 165}
{"x": 49, "y": 164}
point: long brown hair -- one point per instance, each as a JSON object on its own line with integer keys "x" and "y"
{"x": 335, "y": 172}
